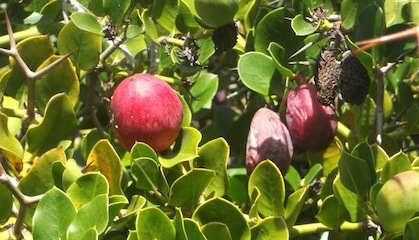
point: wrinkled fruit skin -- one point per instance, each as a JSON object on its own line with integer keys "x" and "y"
{"x": 217, "y": 12}
{"x": 354, "y": 80}
{"x": 327, "y": 77}
{"x": 146, "y": 109}
{"x": 398, "y": 201}
{"x": 268, "y": 138}
{"x": 312, "y": 126}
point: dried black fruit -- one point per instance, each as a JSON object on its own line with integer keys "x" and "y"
{"x": 327, "y": 77}
{"x": 225, "y": 37}
{"x": 354, "y": 80}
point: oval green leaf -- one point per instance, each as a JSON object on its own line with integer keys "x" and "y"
{"x": 152, "y": 223}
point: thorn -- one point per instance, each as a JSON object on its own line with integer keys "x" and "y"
{"x": 306, "y": 46}
{"x": 48, "y": 68}
{"x": 10, "y": 31}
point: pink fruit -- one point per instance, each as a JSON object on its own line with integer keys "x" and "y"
{"x": 146, "y": 109}
{"x": 268, "y": 138}
{"x": 312, "y": 126}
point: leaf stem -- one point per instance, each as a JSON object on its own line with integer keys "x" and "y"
{"x": 306, "y": 229}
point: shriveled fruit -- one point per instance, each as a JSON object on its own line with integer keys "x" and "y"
{"x": 327, "y": 77}
{"x": 398, "y": 201}
{"x": 216, "y": 12}
{"x": 312, "y": 126}
{"x": 268, "y": 138}
{"x": 354, "y": 81}
{"x": 146, "y": 109}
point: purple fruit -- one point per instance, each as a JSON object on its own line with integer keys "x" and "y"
{"x": 312, "y": 126}
{"x": 268, "y": 139}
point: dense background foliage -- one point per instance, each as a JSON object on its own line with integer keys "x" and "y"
{"x": 65, "y": 176}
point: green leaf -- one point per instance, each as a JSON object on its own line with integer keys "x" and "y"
{"x": 331, "y": 213}
{"x": 411, "y": 231}
{"x": 140, "y": 150}
{"x": 135, "y": 204}
{"x": 412, "y": 9}
{"x": 187, "y": 189}
{"x": 185, "y": 21}
{"x": 365, "y": 118}
{"x": 152, "y": 223}
{"x": 116, "y": 203}
{"x": 295, "y": 203}
{"x": 6, "y": 203}
{"x": 92, "y": 215}
{"x": 267, "y": 178}
{"x": 89, "y": 141}
{"x": 192, "y": 230}
{"x": 301, "y": 27}
{"x": 116, "y": 10}
{"x": 87, "y": 188}
{"x": 203, "y": 91}
{"x": 270, "y": 228}
{"x": 272, "y": 28}
{"x": 150, "y": 26}
{"x": 165, "y": 13}
{"x": 53, "y": 215}
{"x": 87, "y": 22}
{"x": 34, "y": 51}
{"x": 397, "y": 49}
{"x": 277, "y": 53}
{"x": 354, "y": 174}
{"x": 216, "y": 230}
{"x": 393, "y": 11}
{"x": 205, "y": 51}
{"x": 328, "y": 159}
{"x": 350, "y": 200}
{"x": 59, "y": 124}
{"x": 10, "y": 146}
{"x": 237, "y": 189}
{"x": 223, "y": 211}
{"x": 185, "y": 149}
{"x": 71, "y": 174}
{"x": 146, "y": 174}
{"x": 103, "y": 158}
{"x": 256, "y": 70}
{"x": 214, "y": 155}
{"x": 87, "y": 46}
{"x": 293, "y": 178}
{"x": 179, "y": 225}
{"x": 39, "y": 179}
{"x": 396, "y": 164}
{"x": 380, "y": 156}
{"x": 312, "y": 174}
{"x": 62, "y": 79}
{"x": 350, "y": 10}
{"x": 373, "y": 25}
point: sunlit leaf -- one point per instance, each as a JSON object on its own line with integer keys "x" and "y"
{"x": 152, "y": 223}
{"x": 10, "y": 146}
{"x": 270, "y": 228}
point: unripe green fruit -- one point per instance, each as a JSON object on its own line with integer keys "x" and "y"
{"x": 146, "y": 109}
{"x": 216, "y": 12}
{"x": 398, "y": 201}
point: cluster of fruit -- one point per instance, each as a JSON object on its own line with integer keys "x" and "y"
{"x": 309, "y": 124}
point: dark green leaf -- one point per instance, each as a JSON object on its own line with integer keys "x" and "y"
{"x": 350, "y": 200}
{"x": 295, "y": 203}
{"x": 116, "y": 203}
{"x": 179, "y": 225}
{"x": 6, "y": 203}
{"x": 165, "y": 13}
{"x": 331, "y": 213}
{"x": 116, "y": 10}
{"x": 203, "y": 91}
{"x": 186, "y": 190}
{"x": 192, "y": 230}
{"x": 354, "y": 174}
{"x": 150, "y": 26}
{"x": 146, "y": 173}
{"x": 411, "y": 231}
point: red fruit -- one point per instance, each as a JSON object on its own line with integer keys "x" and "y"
{"x": 312, "y": 126}
{"x": 146, "y": 109}
{"x": 268, "y": 138}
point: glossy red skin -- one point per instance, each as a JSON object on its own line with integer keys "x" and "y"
{"x": 146, "y": 109}
{"x": 268, "y": 138}
{"x": 312, "y": 126}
